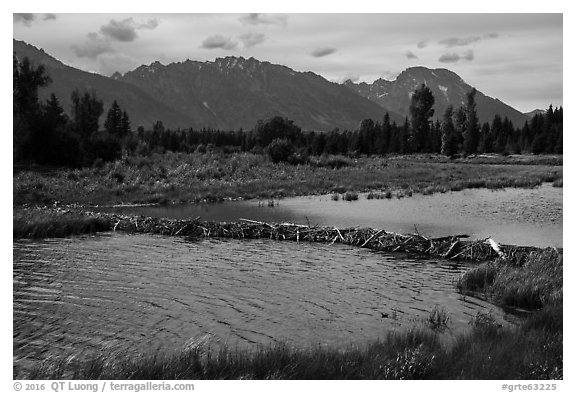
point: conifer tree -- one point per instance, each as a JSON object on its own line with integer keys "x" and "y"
{"x": 86, "y": 110}
{"x": 421, "y": 112}
{"x": 125, "y": 124}
{"x": 449, "y": 137}
{"x": 113, "y": 123}
{"x": 472, "y": 128}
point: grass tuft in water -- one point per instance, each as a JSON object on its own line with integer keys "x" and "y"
{"x": 438, "y": 318}
{"x": 350, "y": 196}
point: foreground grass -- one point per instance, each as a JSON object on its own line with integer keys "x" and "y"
{"x": 488, "y": 351}
{"x": 171, "y": 178}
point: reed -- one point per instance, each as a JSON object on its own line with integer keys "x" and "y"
{"x": 438, "y": 319}
{"x": 532, "y": 282}
{"x": 46, "y": 223}
{"x": 488, "y": 351}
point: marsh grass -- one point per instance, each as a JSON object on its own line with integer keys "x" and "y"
{"x": 536, "y": 282}
{"x": 211, "y": 176}
{"x": 438, "y": 319}
{"x": 41, "y": 224}
{"x": 478, "y": 278}
{"x": 488, "y": 351}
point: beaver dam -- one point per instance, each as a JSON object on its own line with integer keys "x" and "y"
{"x": 449, "y": 247}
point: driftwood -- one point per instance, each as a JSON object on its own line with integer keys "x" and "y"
{"x": 450, "y": 247}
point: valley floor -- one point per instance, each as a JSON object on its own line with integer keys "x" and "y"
{"x": 210, "y": 177}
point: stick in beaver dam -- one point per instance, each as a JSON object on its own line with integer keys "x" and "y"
{"x": 451, "y": 247}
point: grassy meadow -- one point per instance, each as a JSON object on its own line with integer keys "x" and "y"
{"x": 215, "y": 176}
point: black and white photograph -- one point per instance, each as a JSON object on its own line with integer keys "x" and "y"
{"x": 286, "y": 196}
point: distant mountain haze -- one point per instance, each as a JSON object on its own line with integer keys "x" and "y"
{"x": 446, "y": 86}
{"x": 233, "y": 92}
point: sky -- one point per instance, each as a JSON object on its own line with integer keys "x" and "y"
{"x": 517, "y": 58}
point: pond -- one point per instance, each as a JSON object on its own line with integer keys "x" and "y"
{"x": 142, "y": 293}
{"x": 512, "y": 216}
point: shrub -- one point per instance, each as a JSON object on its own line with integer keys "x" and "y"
{"x": 280, "y": 150}
{"x": 350, "y": 196}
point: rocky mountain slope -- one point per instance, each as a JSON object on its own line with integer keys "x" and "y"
{"x": 448, "y": 89}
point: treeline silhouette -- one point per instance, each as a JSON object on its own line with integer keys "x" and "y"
{"x": 44, "y": 134}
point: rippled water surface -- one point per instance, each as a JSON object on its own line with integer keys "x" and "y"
{"x": 511, "y": 216}
{"x": 142, "y": 293}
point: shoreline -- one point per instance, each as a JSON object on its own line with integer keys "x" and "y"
{"x": 203, "y": 178}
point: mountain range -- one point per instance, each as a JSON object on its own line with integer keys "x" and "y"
{"x": 234, "y": 92}
{"x": 446, "y": 86}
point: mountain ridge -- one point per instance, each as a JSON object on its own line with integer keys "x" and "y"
{"x": 447, "y": 87}
{"x": 234, "y": 92}
{"x": 240, "y": 91}
{"x": 143, "y": 109}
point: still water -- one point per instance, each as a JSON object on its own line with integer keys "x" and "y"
{"x": 511, "y": 216}
{"x": 142, "y": 293}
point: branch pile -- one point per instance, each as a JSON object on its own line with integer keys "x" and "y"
{"x": 450, "y": 247}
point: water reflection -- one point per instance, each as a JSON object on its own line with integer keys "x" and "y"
{"x": 512, "y": 216}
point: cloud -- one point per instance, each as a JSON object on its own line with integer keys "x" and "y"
{"x": 218, "y": 41}
{"x": 252, "y": 39}
{"x": 125, "y": 30}
{"x": 463, "y": 41}
{"x": 93, "y": 47}
{"x": 150, "y": 24}
{"x": 321, "y": 52}
{"x": 455, "y": 57}
{"x": 25, "y": 19}
{"x": 410, "y": 55}
{"x": 423, "y": 44}
{"x": 264, "y": 19}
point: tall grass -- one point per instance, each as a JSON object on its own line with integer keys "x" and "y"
{"x": 39, "y": 224}
{"x": 488, "y": 351}
{"x": 534, "y": 284}
{"x": 194, "y": 177}
{"x": 438, "y": 318}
